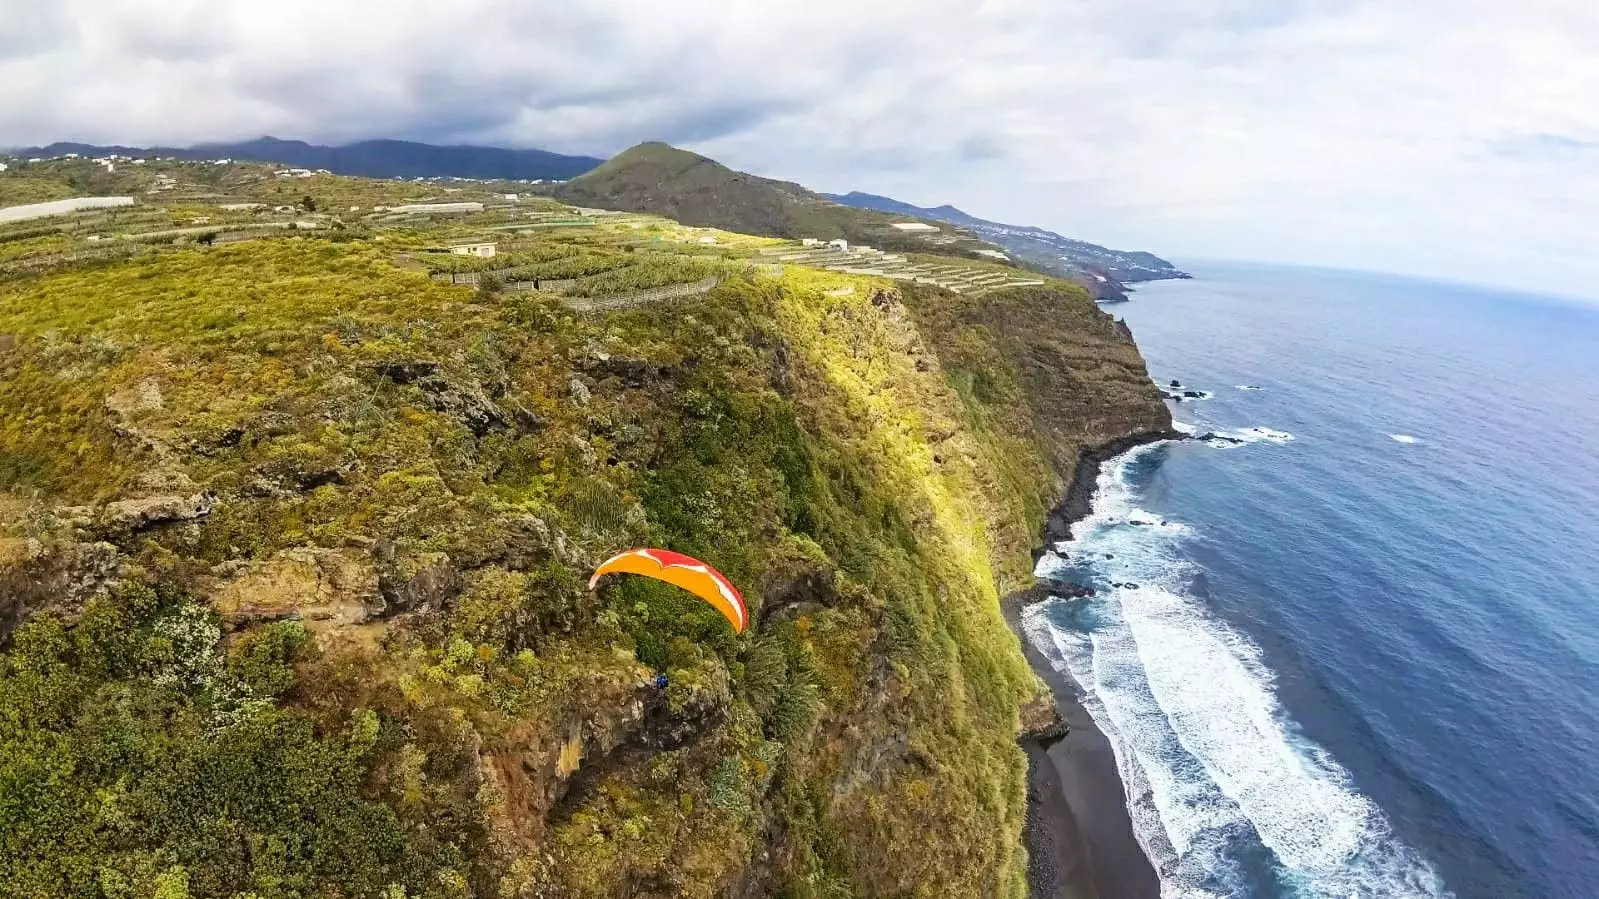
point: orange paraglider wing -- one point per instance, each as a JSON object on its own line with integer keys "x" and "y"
{"x": 682, "y": 571}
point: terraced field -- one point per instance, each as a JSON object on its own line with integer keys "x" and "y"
{"x": 952, "y": 274}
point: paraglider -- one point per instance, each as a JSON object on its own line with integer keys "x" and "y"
{"x": 682, "y": 571}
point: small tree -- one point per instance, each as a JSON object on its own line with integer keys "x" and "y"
{"x": 308, "y": 204}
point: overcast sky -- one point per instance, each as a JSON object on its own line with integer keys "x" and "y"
{"x": 1455, "y": 138}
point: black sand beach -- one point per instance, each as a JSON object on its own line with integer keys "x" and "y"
{"x": 1078, "y": 833}
{"x": 1079, "y": 836}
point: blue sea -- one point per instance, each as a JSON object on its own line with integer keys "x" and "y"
{"x": 1354, "y": 650}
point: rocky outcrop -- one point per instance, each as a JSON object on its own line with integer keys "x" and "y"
{"x": 57, "y": 577}
{"x": 324, "y": 588}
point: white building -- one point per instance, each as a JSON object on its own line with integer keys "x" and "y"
{"x": 512, "y": 197}
{"x": 916, "y": 227}
{"x": 240, "y": 207}
{"x": 840, "y": 245}
{"x": 481, "y": 250}
{"x": 810, "y": 241}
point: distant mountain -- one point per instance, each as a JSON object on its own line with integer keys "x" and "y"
{"x": 1044, "y": 250}
{"x": 371, "y": 158}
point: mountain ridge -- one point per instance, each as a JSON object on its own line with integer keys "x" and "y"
{"x": 382, "y": 158}
{"x": 1054, "y": 253}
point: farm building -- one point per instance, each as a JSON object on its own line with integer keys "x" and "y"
{"x": 840, "y": 245}
{"x": 481, "y": 250}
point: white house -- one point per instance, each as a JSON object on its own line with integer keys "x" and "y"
{"x": 3, "y": 166}
{"x": 810, "y": 241}
{"x": 481, "y": 250}
{"x": 512, "y": 197}
{"x": 840, "y": 245}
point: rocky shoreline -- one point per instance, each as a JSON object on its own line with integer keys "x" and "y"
{"x": 1078, "y": 834}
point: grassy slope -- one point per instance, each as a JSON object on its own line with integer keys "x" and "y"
{"x": 869, "y": 468}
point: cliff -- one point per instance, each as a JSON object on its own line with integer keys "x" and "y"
{"x": 293, "y": 542}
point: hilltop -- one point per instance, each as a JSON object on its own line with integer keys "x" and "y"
{"x": 297, "y": 509}
{"x": 662, "y": 179}
{"x": 370, "y": 159}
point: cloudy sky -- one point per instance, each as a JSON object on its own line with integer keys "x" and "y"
{"x": 1455, "y": 138}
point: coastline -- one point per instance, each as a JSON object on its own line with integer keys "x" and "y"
{"x": 1078, "y": 832}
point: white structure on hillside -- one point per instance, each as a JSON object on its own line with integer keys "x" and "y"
{"x": 61, "y": 207}
{"x": 436, "y": 208}
{"x": 917, "y": 227}
{"x": 512, "y": 197}
{"x": 994, "y": 254}
{"x": 481, "y": 250}
{"x": 240, "y": 207}
{"x": 811, "y": 242}
{"x": 840, "y": 245}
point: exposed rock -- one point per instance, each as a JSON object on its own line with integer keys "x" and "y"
{"x": 424, "y": 583}
{"x": 797, "y": 588}
{"x": 144, "y": 396}
{"x": 36, "y": 576}
{"x": 470, "y": 405}
{"x": 1069, "y": 590}
{"x": 683, "y": 713}
{"x": 1041, "y": 720}
{"x": 130, "y": 516}
{"x": 580, "y": 392}
{"x": 323, "y": 587}
{"x": 8, "y": 342}
{"x": 407, "y": 371}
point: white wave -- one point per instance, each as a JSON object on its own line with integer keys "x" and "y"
{"x": 1405, "y": 438}
{"x": 1184, "y": 427}
{"x": 1215, "y": 771}
{"x": 1256, "y": 435}
{"x": 1248, "y": 387}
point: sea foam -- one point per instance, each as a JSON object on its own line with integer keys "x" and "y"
{"x": 1218, "y": 779}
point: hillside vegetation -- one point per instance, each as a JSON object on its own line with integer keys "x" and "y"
{"x": 664, "y": 180}
{"x": 294, "y": 540}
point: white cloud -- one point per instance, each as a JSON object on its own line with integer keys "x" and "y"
{"x": 1443, "y": 137}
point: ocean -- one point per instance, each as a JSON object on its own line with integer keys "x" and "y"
{"x": 1354, "y": 649}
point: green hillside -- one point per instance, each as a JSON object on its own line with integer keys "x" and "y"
{"x": 295, "y": 530}
{"x": 664, "y": 180}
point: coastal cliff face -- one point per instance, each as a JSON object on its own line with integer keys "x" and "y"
{"x": 292, "y": 551}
